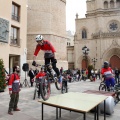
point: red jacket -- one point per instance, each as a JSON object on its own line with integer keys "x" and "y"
{"x": 40, "y": 74}
{"x": 47, "y": 47}
{"x": 107, "y": 72}
{"x": 14, "y": 83}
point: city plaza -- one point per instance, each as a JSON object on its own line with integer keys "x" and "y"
{"x": 99, "y": 31}
{"x": 31, "y": 109}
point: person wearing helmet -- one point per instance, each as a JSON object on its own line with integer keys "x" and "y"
{"x": 107, "y": 73}
{"x": 49, "y": 52}
{"x": 38, "y": 78}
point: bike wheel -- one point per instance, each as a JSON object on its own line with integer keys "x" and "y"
{"x": 102, "y": 87}
{"x": 118, "y": 96}
{"x": 45, "y": 88}
{"x": 35, "y": 91}
{"x": 64, "y": 88}
{"x": 58, "y": 83}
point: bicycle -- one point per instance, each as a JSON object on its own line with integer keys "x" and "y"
{"x": 116, "y": 90}
{"x": 45, "y": 82}
{"x": 36, "y": 89}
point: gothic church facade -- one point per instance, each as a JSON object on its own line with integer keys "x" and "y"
{"x": 100, "y": 32}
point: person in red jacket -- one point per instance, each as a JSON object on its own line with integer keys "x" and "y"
{"x": 49, "y": 53}
{"x": 14, "y": 88}
{"x": 40, "y": 74}
{"x": 107, "y": 73}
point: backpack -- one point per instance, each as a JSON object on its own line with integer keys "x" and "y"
{"x": 8, "y": 78}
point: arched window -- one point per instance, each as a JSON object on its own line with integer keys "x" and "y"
{"x": 118, "y": 3}
{"x": 111, "y": 4}
{"x": 84, "y": 34}
{"x": 105, "y": 4}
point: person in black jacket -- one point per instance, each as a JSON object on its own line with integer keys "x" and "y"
{"x": 36, "y": 71}
{"x": 31, "y": 75}
{"x": 117, "y": 72}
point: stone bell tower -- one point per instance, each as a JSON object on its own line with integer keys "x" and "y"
{"x": 48, "y": 18}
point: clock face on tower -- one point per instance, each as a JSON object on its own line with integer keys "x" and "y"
{"x": 113, "y": 26}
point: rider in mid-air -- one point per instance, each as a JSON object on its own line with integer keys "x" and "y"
{"x": 49, "y": 53}
{"x": 107, "y": 73}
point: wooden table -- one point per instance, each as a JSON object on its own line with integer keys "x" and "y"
{"x": 107, "y": 93}
{"x": 75, "y": 101}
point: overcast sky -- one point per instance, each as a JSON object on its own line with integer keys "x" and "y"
{"x": 73, "y": 7}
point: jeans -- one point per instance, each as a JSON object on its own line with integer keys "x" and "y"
{"x": 110, "y": 81}
{"x": 14, "y": 97}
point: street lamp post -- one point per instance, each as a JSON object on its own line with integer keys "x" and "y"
{"x": 94, "y": 60}
{"x": 85, "y": 52}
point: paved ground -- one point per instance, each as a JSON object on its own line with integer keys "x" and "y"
{"x": 31, "y": 109}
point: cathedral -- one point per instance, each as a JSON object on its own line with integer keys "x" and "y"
{"x": 99, "y": 32}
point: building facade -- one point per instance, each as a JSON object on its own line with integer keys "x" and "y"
{"x": 100, "y": 32}
{"x": 48, "y": 18}
{"x": 70, "y": 38}
{"x": 13, "y": 28}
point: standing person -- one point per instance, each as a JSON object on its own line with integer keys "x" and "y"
{"x": 92, "y": 75}
{"x": 117, "y": 72}
{"x": 79, "y": 74}
{"x": 31, "y": 75}
{"x": 64, "y": 77}
{"x": 98, "y": 73}
{"x": 82, "y": 72}
{"x": 14, "y": 89}
{"x": 49, "y": 54}
{"x": 61, "y": 70}
{"x": 36, "y": 71}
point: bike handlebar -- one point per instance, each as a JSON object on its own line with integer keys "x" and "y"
{"x": 37, "y": 65}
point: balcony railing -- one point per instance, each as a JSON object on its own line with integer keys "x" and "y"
{"x": 15, "y": 17}
{"x": 15, "y": 42}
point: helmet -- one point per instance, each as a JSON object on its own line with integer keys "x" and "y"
{"x": 39, "y": 38}
{"x": 106, "y": 64}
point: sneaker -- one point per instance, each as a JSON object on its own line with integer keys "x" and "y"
{"x": 10, "y": 113}
{"x": 17, "y": 109}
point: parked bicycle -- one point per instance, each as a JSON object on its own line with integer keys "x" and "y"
{"x": 37, "y": 88}
{"x": 44, "y": 84}
{"x": 116, "y": 90}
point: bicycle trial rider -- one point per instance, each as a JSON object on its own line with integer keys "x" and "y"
{"x": 49, "y": 53}
{"x": 107, "y": 73}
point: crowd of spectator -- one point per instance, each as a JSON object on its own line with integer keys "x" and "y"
{"x": 77, "y": 74}
{"x": 94, "y": 74}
